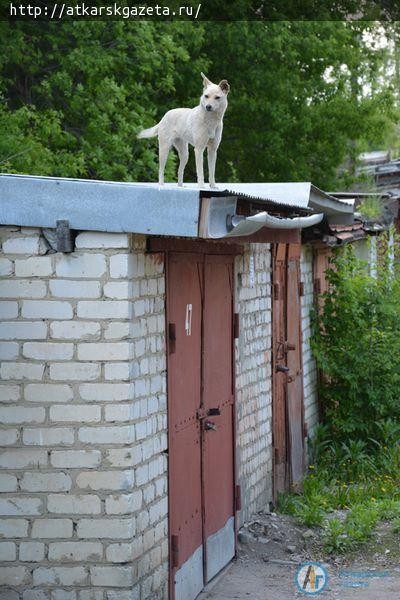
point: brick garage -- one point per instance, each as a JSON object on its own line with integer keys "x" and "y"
{"x": 84, "y": 467}
{"x": 83, "y": 396}
{"x": 83, "y": 390}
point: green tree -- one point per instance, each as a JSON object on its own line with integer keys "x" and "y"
{"x": 305, "y": 95}
{"x": 75, "y": 94}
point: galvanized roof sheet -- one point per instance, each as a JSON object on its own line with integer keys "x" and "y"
{"x": 98, "y": 205}
{"x": 301, "y": 194}
{"x": 147, "y": 208}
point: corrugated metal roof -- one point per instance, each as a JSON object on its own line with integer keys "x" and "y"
{"x": 296, "y": 194}
{"x": 292, "y": 194}
{"x": 143, "y": 207}
{"x": 98, "y": 205}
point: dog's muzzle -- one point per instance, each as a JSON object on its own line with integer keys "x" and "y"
{"x": 208, "y": 107}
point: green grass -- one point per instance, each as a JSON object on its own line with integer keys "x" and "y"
{"x": 364, "y": 484}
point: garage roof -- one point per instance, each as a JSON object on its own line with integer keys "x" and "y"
{"x": 147, "y": 208}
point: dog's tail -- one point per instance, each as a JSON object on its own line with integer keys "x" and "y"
{"x": 148, "y": 133}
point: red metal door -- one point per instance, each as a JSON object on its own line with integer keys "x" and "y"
{"x": 184, "y": 399}
{"x": 288, "y": 429}
{"x": 200, "y": 406}
{"x": 217, "y": 427}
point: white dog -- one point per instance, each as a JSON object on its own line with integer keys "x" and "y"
{"x": 200, "y": 126}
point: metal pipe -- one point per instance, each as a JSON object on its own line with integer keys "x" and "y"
{"x": 268, "y": 220}
{"x": 238, "y": 225}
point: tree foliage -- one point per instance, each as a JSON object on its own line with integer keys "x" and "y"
{"x": 75, "y": 94}
{"x": 304, "y": 96}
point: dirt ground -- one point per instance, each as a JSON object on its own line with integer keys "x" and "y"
{"x": 272, "y": 547}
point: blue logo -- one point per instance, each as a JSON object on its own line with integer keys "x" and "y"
{"x": 311, "y": 578}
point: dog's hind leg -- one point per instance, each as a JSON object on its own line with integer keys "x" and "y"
{"x": 163, "y": 147}
{"x": 183, "y": 152}
{"x": 198, "y": 152}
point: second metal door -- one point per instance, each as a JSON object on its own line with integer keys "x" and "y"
{"x": 288, "y": 427}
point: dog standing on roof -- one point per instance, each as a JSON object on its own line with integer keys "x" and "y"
{"x": 200, "y": 126}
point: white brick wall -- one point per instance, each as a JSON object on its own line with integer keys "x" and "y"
{"x": 309, "y": 368}
{"x": 83, "y": 412}
{"x": 253, "y": 379}
{"x": 83, "y": 403}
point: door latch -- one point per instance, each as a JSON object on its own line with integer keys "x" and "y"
{"x": 210, "y": 425}
{"x": 287, "y": 347}
{"x": 282, "y": 369}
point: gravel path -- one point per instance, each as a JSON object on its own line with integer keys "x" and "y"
{"x": 273, "y": 546}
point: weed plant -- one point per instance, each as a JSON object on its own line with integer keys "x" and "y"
{"x": 354, "y": 464}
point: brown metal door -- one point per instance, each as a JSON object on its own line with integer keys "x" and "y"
{"x": 279, "y": 379}
{"x": 321, "y": 264}
{"x": 200, "y": 406}
{"x": 184, "y": 399}
{"x": 294, "y": 363}
{"x": 218, "y": 464}
{"x": 288, "y": 430}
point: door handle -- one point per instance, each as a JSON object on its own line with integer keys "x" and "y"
{"x": 213, "y": 412}
{"x": 287, "y": 347}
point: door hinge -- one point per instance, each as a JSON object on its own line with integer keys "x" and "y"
{"x": 236, "y": 326}
{"x": 171, "y": 337}
{"x": 301, "y": 288}
{"x": 238, "y": 498}
{"x": 174, "y": 551}
{"x": 277, "y": 291}
{"x": 305, "y": 430}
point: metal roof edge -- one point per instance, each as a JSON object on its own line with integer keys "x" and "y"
{"x": 146, "y": 208}
{"x": 346, "y": 205}
{"x": 36, "y": 201}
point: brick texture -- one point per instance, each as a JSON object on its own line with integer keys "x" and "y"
{"x": 309, "y": 367}
{"x": 83, "y": 407}
{"x": 253, "y": 379}
{"x": 83, "y": 410}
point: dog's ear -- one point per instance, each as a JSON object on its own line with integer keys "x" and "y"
{"x": 224, "y": 85}
{"x": 206, "y": 81}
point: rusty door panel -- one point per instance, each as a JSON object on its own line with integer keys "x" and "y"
{"x": 322, "y": 255}
{"x": 218, "y": 464}
{"x": 217, "y": 393}
{"x": 184, "y": 378}
{"x": 279, "y": 411}
{"x": 294, "y": 363}
{"x": 287, "y": 369}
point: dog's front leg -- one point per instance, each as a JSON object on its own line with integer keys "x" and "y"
{"x": 212, "y": 157}
{"x": 198, "y": 152}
